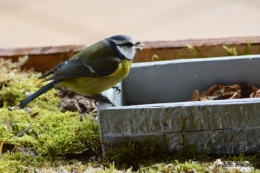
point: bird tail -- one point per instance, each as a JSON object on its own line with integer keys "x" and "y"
{"x": 38, "y": 93}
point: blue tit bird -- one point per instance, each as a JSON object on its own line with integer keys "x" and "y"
{"x": 93, "y": 70}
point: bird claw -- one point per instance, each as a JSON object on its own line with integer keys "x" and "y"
{"x": 104, "y": 99}
{"x": 117, "y": 89}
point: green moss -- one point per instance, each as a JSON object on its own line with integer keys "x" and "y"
{"x": 39, "y": 132}
{"x": 16, "y": 85}
{"x": 129, "y": 153}
{"x": 63, "y": 132}
{"x": 176, "y": 167}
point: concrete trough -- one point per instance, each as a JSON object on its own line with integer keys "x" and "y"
{"x": 154, "y": 102}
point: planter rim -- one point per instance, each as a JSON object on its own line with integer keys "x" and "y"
{"x": 190, "y": 60}
{"x": 105, "y": 107}
{"x": 203, "y": 42}
{"x": 19, "y": 51}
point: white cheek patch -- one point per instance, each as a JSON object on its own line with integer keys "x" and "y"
{"x": 129, "y": 53}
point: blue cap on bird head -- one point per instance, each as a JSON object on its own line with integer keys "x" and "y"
{"x": 120, "y": 37}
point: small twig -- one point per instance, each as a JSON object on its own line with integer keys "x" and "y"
{"x": 21, "y": 133}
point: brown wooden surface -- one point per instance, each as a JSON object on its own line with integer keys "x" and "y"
{"x": 44, "y": 58}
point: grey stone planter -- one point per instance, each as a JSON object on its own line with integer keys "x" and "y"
{"x": 160, "y": 92}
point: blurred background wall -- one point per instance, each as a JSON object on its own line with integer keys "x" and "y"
{"x": 30, "y": 23}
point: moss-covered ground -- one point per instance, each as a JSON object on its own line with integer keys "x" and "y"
{"x": 41, "y": 138}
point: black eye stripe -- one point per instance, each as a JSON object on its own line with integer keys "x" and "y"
{"x": 125, "y": 44}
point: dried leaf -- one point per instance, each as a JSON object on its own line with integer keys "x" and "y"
{"x": 217, "y": 92}
{"x": 255, "y": 92}
{"x": 195, "y": 96}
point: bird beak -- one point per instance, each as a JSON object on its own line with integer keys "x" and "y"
{"x": 139, "y": 43}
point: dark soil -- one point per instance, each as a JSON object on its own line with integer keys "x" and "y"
{"x": 71, "y": 101}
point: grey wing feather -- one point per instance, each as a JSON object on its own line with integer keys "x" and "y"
{"x": 73, "y": 68}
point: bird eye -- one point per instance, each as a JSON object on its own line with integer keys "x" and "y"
{"x": 129, "y": 44}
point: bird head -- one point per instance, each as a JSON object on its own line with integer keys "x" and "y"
{"x": 123, "y": 46}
